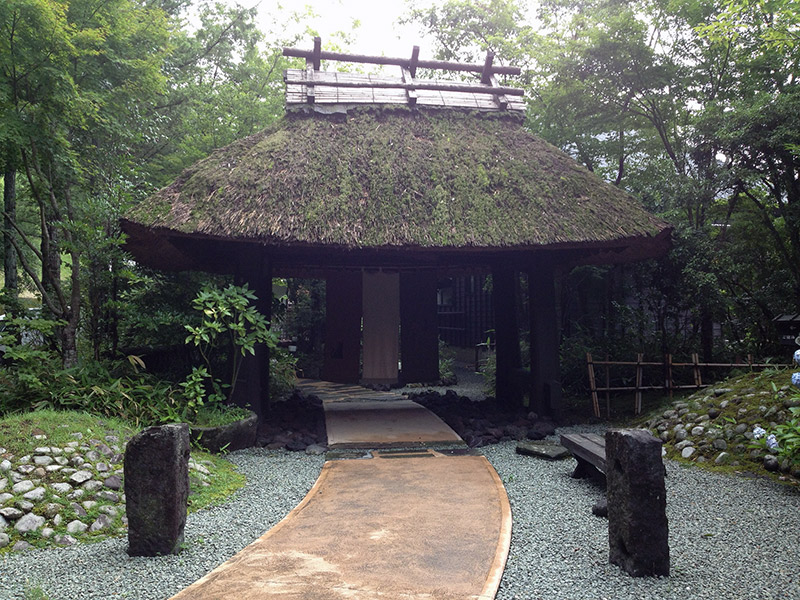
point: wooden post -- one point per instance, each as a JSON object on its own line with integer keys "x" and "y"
{"x": 698, "y": 379}
{"x": 504, "y": 295}
{"x": 608, "y": 385}
{"x": 252, "y": 385}
{"x": 593, "y": 385}
{"x": 668, "y": 366}
{"x": 419, "y": 332}
{"x": 342, "y": 360}
{"x": 544, "y": 339}
{"x": 637, "y": 409}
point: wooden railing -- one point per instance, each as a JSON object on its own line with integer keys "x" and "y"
{"x": 668, "y": 384}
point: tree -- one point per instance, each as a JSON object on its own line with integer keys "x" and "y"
{"x": 72, "y": 75}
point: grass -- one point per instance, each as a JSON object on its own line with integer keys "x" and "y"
{"x": 18, "y": 436}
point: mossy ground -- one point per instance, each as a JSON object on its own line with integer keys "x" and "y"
{"x": 757, "y": 398}
{"x": 18, "y": 436}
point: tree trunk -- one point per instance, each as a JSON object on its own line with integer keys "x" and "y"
{"x": 9, "y": 252}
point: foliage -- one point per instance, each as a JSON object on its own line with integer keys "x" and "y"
{"x": 229, "y": 325}
{"x": 447, "y": 361}
{"x": 787, "y": 436}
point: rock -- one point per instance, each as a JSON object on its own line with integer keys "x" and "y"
{"x": 28, "y": 523}
{"x": 5, "y": 465}
{"x": 687, "y": 452}
{"x": 23, "y": 486}
{"x": 77, "y": 526}
{"x": 62, "y": 488}
{"x": 51, "y": 509}
{"x": 684, "y": 444}
{"x": 65, "y": 540}
{"x": 92, "y": 486}
{"x": 5, "y": 498}
{"x": 548, "y": 450}
{"x": 57, "y": 520}
{"x": 102, "y": 467}
{"x": 696, "y": 431}
{"x": 681, "y": 435}
{"x": 4, "y": 540}
{"x": 316, "y": 449}
{"x": 89, "y": 504}
{"x": 771, "y": 463}
{"x": 77, "y": 461}
{"x": 93, "y": 456}
{"x": 114, "y": 482}
{"x": 79, "y": 510}
{"x": 740, "y": 428}
{"x": 11, "y": 513}
{"x": 636, "y": 503}
{"x": 3, "y": 523}
{"x": 25, "y": 469}
{"x": 157, "y": 488}
{"x": 22, "y": 546}
{"x": 47, "y": 532}
{"x": 35, "y": 495}
{"x": 713, "y": 413}
{"x": 80, "y": 477}
{"x": 664, "y": 436}
{"x": 25, "y": 505}
{"x": 43, "y": 461}
{"x": 76, "y": 494}
{"x": 107, "y": 495}
{"x": 102, "y": 522}
{"x": 600, "y": 508}
{"x": 720, "y": 444}
{"x": 723, "y": 458}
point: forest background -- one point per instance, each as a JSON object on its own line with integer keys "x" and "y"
{"x": 692, "y": 106}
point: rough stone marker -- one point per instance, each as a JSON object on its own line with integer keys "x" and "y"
{"x": 637, "y": 502}
{"x": 157, "y": 489}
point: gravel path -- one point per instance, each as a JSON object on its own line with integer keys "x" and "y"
{"x": 730, "y": 538}
{"x": 276, "y": 482}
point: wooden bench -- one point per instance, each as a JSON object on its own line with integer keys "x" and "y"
{"x": 589, "y": 450}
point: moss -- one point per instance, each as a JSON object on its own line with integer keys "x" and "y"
{"x": 451, "y": 178}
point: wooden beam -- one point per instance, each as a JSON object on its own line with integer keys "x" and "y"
{"x": 418, "y": 84}
{"x": 501, "y": 99}
{"x": 486, "y": 74}
{"x": 412, "y": 65}
{"x": 411, "y": 93}
{"x": 315, "y": 57}
{"x": 400, "y": 62}
{"x": 309, "y": 83}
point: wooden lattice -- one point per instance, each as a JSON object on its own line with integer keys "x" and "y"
{"x": 312, "y": 86}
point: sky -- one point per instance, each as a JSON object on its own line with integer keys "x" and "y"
{"x": 378, "y": 33}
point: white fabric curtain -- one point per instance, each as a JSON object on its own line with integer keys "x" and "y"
{"x": 381, "y": 310}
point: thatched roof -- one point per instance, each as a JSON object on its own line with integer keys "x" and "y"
{"x": 396, "y": 179}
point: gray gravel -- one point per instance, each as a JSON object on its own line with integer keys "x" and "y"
{"x": 730, "y": 537}
{"x": 276, "y": 483}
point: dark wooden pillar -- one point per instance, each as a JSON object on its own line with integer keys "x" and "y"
{"x": 545, "y": 368}
{"x": 419, "y": 327}
{"x": 342, "y": 361}
{"x": 504, "y": 296}
{"x": 252, "y": 385}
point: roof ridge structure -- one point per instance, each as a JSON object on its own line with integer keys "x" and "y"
{"x": 311, "y": 86}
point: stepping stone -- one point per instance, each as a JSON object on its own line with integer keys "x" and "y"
{"x": 543, "y": 450}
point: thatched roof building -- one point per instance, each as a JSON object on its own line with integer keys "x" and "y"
{"x": 380, "y": 185}
{"x": 438, "y": 186}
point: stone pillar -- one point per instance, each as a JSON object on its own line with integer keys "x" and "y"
{"x": 504, "y": 300}
{"x": 637, "y": 500}
{"x": 545, "y": 341}
{"x": 342, "y": 360}
{"x": 419, "y": 327}
{"x": 157, "y": 489}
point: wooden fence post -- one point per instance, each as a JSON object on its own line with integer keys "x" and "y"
{"x": 592, "y": 385}
{"x": 637, "y": 408}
